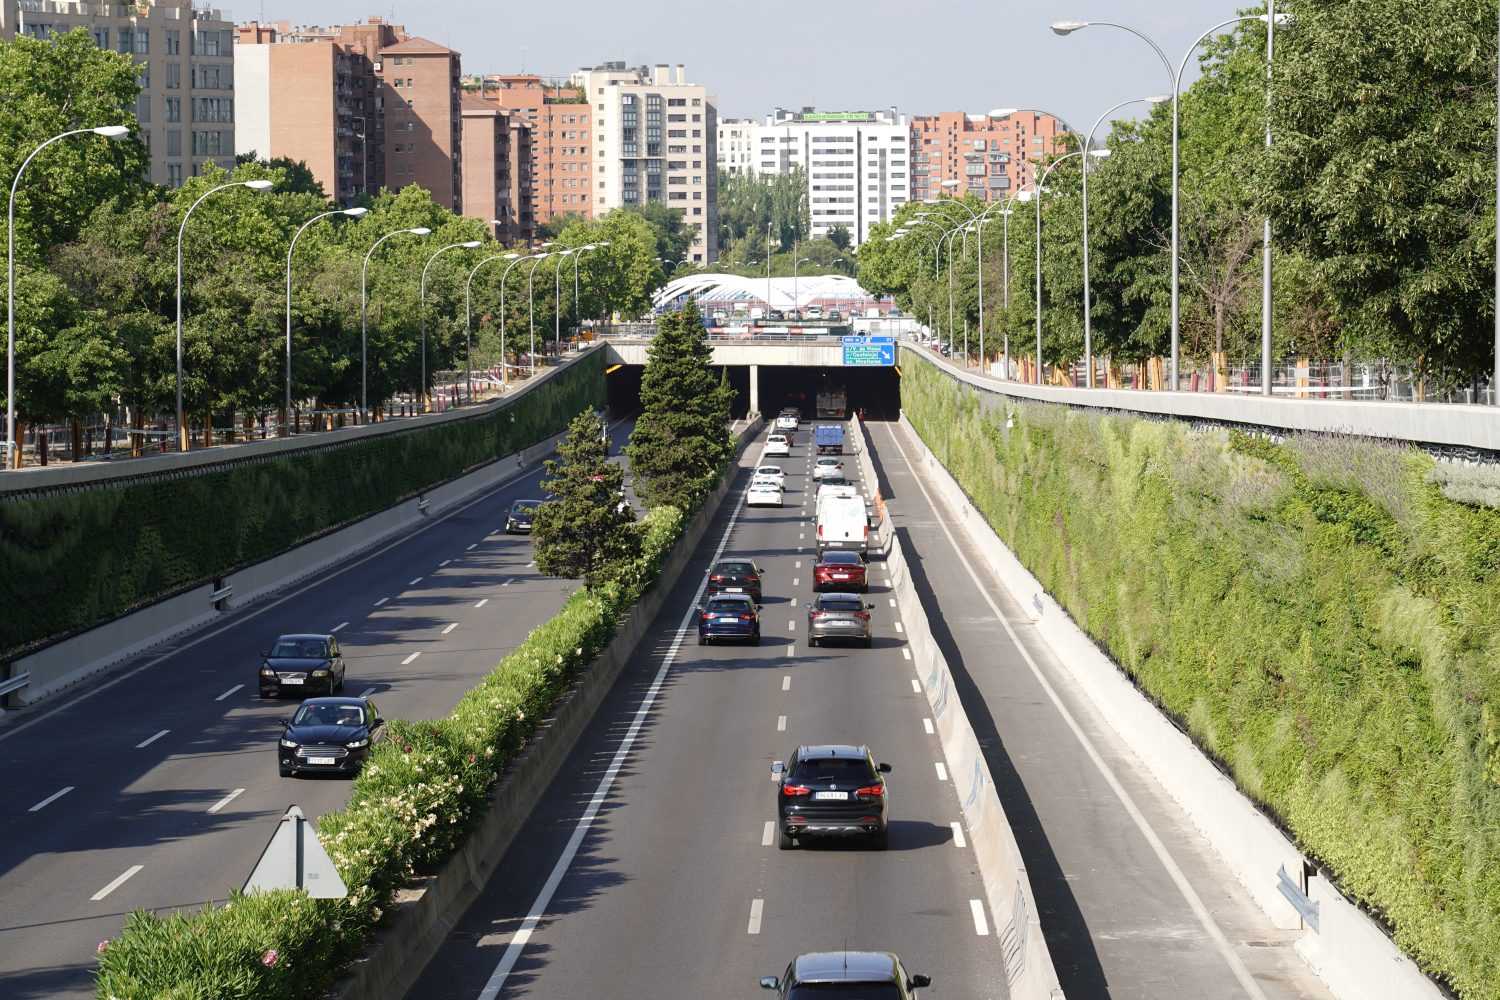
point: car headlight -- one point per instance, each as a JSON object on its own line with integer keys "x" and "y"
{"x": 289, "y": 744}
{"x": 267, "y": 672}
{"x": 359, "y": 744}
{"x": 320, "y": 672}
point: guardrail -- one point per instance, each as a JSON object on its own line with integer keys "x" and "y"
{"x": 15, "y": 683}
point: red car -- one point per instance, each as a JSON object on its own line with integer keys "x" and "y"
{"x": 840, "y": 571}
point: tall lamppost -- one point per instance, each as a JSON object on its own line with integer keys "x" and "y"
{"x": 422, "y": 302}
{"x": 1041, "y": 187}
{"x": 577, "y": 299}
{"x": 531, "y": 306}
{"x": 286, "y": 414}
{"x": 1272, "y": 21}
{"x": 364, "y": 318}
{"x": 469, "y": 326}
{"x": 973, "y": 217}
{"x": 769, "y": 255}
{"x": 1088, "y": 311}
{"x": 261, "y": 185}
{"x": 12, "y": 446}
{"x": 514, "y": 259}
{"x": 557, "y": 298}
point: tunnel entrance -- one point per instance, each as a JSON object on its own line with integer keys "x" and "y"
{"x": 876, "y": 390}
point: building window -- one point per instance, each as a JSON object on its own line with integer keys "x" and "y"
{"x": 208, "y": 143}
{"x": 209, "y": 43}
{"x": 174, "y": 175}
{"x": 174, "y": 41}
{"x": 173, "y": 108}
{"x": 174, "y": 141}
{"x": 101, "y": 38}
{"x": 125, "y": 38}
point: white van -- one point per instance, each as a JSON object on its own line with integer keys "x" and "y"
{"x": 843, "y": 525}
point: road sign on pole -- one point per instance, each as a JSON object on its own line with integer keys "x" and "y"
{"x": 865, "y": 352}
{"x": 295, "y": 859}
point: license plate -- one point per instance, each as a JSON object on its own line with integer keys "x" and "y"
{"x": 292, "y": 680}
{"x": 840, "y": 624}
{"x": 734, "y": 590}
{"x": 320, "y": 760}
{"x": 832, "y": 796}
{"x": 841, "y": 576}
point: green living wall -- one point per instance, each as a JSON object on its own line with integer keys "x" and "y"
{"x": 71, "y": 561}
{"x": 1323, "y": 616}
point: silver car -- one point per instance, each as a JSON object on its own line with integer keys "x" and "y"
{"x": 844, "y": 617}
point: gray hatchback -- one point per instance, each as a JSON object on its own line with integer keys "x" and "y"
{"x": 839, "y": 617}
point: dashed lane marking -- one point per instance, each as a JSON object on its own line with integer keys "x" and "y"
{"x": 231, "y": 691}
{"x": 786, "y": 683}
{"x": 381, "y": 601}
{"x": 340, "y": 625}
{"x": 411, "y": 657}
{"x": 927, "y": 727}
{"x": 482, "y": 603}
{"x": 226, "y": 800}
{"x": 768, "y": 834}
{"x": 57, "y": 795}
{"x": 916, "y": 686}
{"x": 116, "y": 883}
{"x": 450, "y": 628}
{"x": 781, "y": 723}
{"x": 152, "y": 739}
{"x": 942, "y": 770}
{"x": 756, "y": 906}
{"x": 444, "y": 563}
{"x": 958, "y": 835}
{"x": 415, "y": 582}
{"x": 981, "y": 926}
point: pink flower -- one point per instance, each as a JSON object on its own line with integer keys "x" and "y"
{"x": 472, "y": 758}
{"x": 406, "y": 748}
{"x": 103, "y": 947}
{"x": 270, "y": 958}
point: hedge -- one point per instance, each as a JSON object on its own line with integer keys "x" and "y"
{"x": 424, "y": 788}
{"x": 74, "y": 560}
{"x": 1322, "y": 616}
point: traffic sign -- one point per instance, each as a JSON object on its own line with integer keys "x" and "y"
{"x": 295, "y": 859}
{"x": 869, "y": 352}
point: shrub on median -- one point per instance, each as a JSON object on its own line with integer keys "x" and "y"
{"x": 423, "y": 790}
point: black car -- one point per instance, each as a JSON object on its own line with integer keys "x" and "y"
{"x": 522, "y": 513}
{"x": 735, "y": 576}
{"x": 865, "y": 975}
{"x": 729, "y": 616}
{"x": 833, "y": 790}
{"x": 329, "y": 734}
{"x": 302, "y": 665}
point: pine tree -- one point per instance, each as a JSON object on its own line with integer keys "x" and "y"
{"x": 681, "y": 439}
{"x": 587, "y": 529}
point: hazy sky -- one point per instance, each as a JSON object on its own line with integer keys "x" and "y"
{"x": 923, "y": 56}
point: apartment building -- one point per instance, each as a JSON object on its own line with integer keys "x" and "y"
{"x": 991, "y": 157}
{"x": 856, "y": 163}
{"x": 490, "y": 163}
{"x": 558, "y": 119}
{"x": 736, "y": 145}
{"x": 184, "y": 54}
{"x": 654, "y": 139}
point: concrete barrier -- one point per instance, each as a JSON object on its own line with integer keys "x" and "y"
{"x": 1029, "y": 972}
{"x": 1348, "y": 951}
{"x": 426, "y": 913}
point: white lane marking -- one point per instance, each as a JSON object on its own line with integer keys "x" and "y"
{"x": 570, "y": 850}
{"x": 57, "y": 795}
{"x": 531, "y": 564}
{"x": 116, "y": 883}
{"x": 411, "y": 657}
{"x": 339, "y": 626}
{"x": 916, "y": 686}
{"x": 482, "y": 603}
{"x": 800, "y": 548}
{"x": 893, "y": 602}
{"x": 941, "y": 770}
{"x": 1195, "y": 903}
{"x": 801, "y": 536}
{"x": 450, "y": 628}
{"x": 381, "y": 601}
{"x": 958, "y": 835}
{"x": 791, "y": 626}
{"x": 768, "y": 834}
{"x": 756, "y": 906}
{"x": 796, "y": 580}
{"x": 366, "y": 693}
{"x": 797, "y": 565}
{"x": 471, "y": 548}
{"x": 226, "y": 800}
{"x": 781, "y": 723}
{"x": 905, "y": 653}
{"x": 791, "y": 650}
{"x": 444, "y": 563}
{"x": 981, "y": 925}
{"x": 152, "y": 739}
{"x": 231, "y": 691}
{"x": 507, "y": 583}
{"x": 927, "y": 727}
{"x": 415, "y": 582}
{"x": 786, "y": 683}
{"x": 898, "y": 626}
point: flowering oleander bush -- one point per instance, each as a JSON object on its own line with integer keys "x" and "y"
{"x": 422, "y": 791}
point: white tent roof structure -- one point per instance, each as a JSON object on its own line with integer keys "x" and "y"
{"x": 721, "y": 289}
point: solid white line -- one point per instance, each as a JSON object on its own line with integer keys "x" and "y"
{"x": 444, "y": 563}
{"x": 116, "y": 883}
{"x": 339, "y": 626}
{"x": 471, "y": 548}
{"x": 927, "y": 726}
{"x": 415, "y": 582}
{"x": 769, "y": 834}
{"x": 150, "y": 740}
{"x": 411, "y": 657}
{"x": 366, "y": 693}
{"x": 1189, "y": 894}
{"x": 898, "y": 626}
{"x": 57, "y": 795}
{"x": 905, "y": 653}
{"x": 941, "y": 770}
{"x": 226, "y": 800}
{"x": 231, "y": 691}
{"x": 544, "y": 899}
{"x": 781, "y": 723}
{"x": 450, "y": 628}
{"x": 381, "y": 601}
{"x": 786, "y": 683}
{"x": 981, "y": 925}
{"x": 482, "y": 603}
{"x": 756, "y": 905}
{"x": 958, "y": 835}
{"x": 916, "y": 686}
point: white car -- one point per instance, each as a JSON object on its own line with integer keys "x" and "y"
{"x": 773, "y": 472}
{"x": 778, "y": 445}
{"x": 786, "y": 422}
{"x": 827, "y": 466}
{"x": 763, "y": 493}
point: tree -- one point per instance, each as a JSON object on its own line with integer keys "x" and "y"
{"x": 674, "y": 240}
{"x": 296, "y": 176}
{"x": 839, "y": 237}
{"x": 586, "y": 530}
{"x": 681, "y": 439}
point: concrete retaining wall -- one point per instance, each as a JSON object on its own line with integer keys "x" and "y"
{"x": 1029, "y": 971}
{"x": 1349, "y": 952}
{"x": 425, "y": 914}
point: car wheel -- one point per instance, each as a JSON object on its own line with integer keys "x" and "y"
{"x": 755, "y": 638}
{"x": 702, "y": 640}
{"x": 267, "y": 694}
{"x": 880, "y": 841}
{"x": 869, "y": 641}
{"x": 287, "y": 772}
{"x": 784, "y": 842}
{"x": 343, "y": 676}
{"x": 812, "y": 641}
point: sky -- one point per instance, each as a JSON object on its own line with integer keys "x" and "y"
{"x": 923, "y": 56}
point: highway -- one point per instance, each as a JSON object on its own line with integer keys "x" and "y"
{"x": 155, "y": 786}
{"x": 674, "y": 888}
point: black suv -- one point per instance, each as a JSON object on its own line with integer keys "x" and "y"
{"x": 868, "y": 975}
{"x": 735, "y": 576}
{"x": 834, "y": 790}
{"x": 302, "y": 665}
{"x": 522, "y": 513}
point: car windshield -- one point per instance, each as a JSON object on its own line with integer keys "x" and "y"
{"x": 299, "y": 649}
{"x": 837, "y": 770}
{"x": 845, "y": 991}
{"x": 329, "y": 715}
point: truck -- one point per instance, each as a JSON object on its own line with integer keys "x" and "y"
{"x": 829, "y": 438}
{"x": 831, "y": 403}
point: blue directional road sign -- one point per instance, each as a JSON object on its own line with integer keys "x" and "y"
{"x": 869, "y": 352}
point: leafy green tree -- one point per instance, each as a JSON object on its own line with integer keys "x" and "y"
{"x": 674, "y": 238}
{"x": 681, "y": 439}
{"x": 839, "y": 237}
{"x": 554, "y": 227}
{"x": 586, "y": 531}
{"x": 749, "y": 202}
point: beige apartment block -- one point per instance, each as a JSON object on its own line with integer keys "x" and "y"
{"x": 184, "y": 53}
{"x": 487, "y": 164}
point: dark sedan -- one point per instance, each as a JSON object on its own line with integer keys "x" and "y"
{"x": 859, "y": 975}
{"x": 831, "y": 791}
{"x": 522, "y": 514}
{"x": 735, "y": 576}
{"x": 729, "y": 616}
{"x": 839, "y": 617}
{"x": 302, "y": 665}
{"x": 329, "y": 734}
{"x": 838, "y": 570}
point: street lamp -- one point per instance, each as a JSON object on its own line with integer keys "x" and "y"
{"x": 261, "y": 185}
{"x": 422, "y": 304}
{"x": 514, "y": 259}
{"x": 973, "y": 216}
{"x": 286, "y": 416}
{"x": 1041, "y": 187}
{"x": 468, "y": 325}
{"x": 902, "y": 234}
{"x": 1088, "y": 311}
{"x": 557, "y": 299}
{"x": 531, "y": 305}
{"x": 769, "y": 255}
{"x": 577, "y": 299}
{"x": 115, "y": 132}
{"x": 364, "y": 316}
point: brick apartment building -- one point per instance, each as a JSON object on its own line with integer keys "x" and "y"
{"x": 990, "y": 157}
{"x": 497, "y": 154}
{"x": 558, "y": 120}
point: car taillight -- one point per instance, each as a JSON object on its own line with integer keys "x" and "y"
{"x": 795, "y": 790}
{"x": 862, "y": 615}
{"x": 708, "y": 617}
{"x": 871, "y": 790}
{"x": 717, "y": 577}
{"x": 751, "y": 579}
{"x": 820, "y": 531}
{"x": 747, "y": 618}
{"x": 867, "y": 531}
{"x": 817, "y": 614}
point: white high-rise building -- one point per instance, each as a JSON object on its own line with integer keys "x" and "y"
{"x": 655, "y": 139}
{"x": 737, "y": 145}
